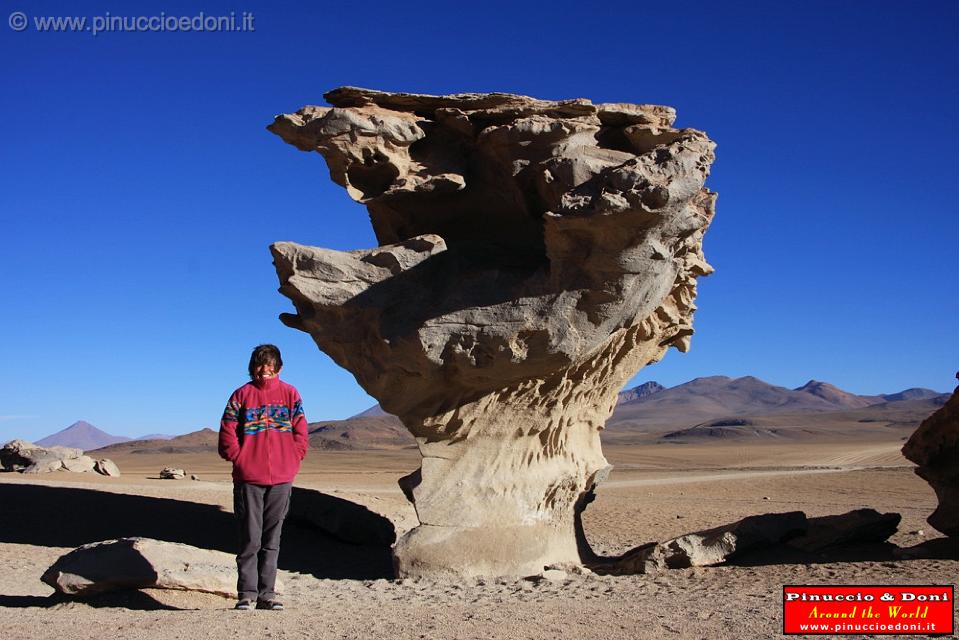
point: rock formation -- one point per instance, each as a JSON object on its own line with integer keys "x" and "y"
{"x": 857, "y": 527}
{"x": 782, "y": 534}
{"x": 706, "y": 548}
{"x": 139, "y": 563}
{"x": 934, "y": 447}
{"x": 533, "y": 256}
{"x": 26, "y": 457}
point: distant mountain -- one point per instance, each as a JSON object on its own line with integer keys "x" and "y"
{"x": 378, "y": 432}
{"x": 711, "y": 407}
{"x": 81, "y": 435}
{"x": 836, "y": 396}
{"x": 719, "y": 406}
{"x": 881, "y": 421}
{"x": 155, "y": 436}
{"x": 911, "y": 394}
{"x": 376, "y": 411}
{"x": 642, "y": 391}
{"x": 202, "y": 441}
{"x": 713, "y": 397}
{"x": 364, "y": 431}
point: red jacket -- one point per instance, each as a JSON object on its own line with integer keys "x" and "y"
{"x": 263, "y": 432}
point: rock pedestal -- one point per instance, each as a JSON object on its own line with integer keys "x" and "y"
{"x": 934, "y": 447}
{"x": 533, "y": 256}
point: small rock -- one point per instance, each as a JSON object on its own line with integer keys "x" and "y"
{"x": 194, "y": 476}
{"x": 172, "y": 473}
{"x": 571, "y": 568}
{"x": 554, "y": 575}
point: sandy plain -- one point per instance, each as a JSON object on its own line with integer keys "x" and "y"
{"x": 336, "y": 590}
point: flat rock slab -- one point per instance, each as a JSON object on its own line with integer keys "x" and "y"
{"x": 715, "y": 546}
{"x": 142, "y": 563}
{"x": 706, "y": 548}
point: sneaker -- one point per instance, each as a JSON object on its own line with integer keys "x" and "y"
{"x": 270, "y": 605}
{"x": 244, "y": 605}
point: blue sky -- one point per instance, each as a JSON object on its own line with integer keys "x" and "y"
{"x": 140, "y": 190}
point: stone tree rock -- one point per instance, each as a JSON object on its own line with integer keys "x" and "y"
{"x": 934, "y": 447}
{"x": 533, "y": 256}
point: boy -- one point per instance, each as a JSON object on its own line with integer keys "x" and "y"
{"x": 264, "y": 434}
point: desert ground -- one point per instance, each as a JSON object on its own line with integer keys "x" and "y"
{"x": 336, "y": 590}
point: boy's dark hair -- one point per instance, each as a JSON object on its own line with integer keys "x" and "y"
{"x": 263, "y": 354}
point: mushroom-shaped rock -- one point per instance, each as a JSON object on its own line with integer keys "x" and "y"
{"x": 934, "y": 447}
{"x": 533, "y": 256}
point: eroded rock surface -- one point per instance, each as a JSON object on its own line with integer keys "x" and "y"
{"x": 534, "y": 255}
{"x": 934, "y": 447}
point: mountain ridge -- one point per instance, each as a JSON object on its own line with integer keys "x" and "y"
{"x": 710, "y": 406}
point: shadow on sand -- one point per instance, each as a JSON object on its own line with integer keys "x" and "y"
{"x": 131, "y": 599}
{"x": 67, "y": 517}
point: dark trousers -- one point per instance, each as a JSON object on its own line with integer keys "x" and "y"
{"x": 260, "y": 511}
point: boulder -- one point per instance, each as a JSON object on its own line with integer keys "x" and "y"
{"x": 861, "y": 526}
{"x": 83, "y": 464}
{"x": 715, "y": 546}
{"x": 20, "y": 455}
{"x": 172, "y": 473}
{"x": 45, "y": 465}
{"x": 139, "y": 563}
{"x": 107, "y": 467}
{"x": 533, "y": 255}
{"x": 934, "y": 447}
{"x": 704, "y": 548}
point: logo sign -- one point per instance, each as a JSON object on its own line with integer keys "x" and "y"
{"x": 873, "y": 610}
